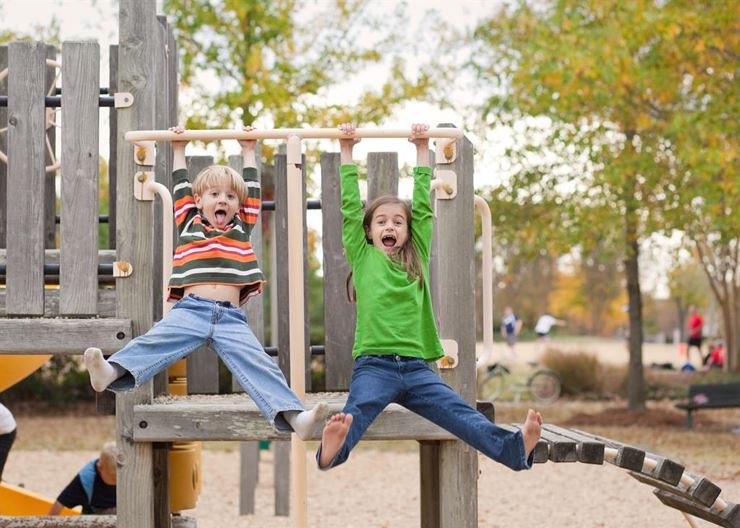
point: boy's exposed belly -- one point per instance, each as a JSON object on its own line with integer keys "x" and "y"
{"x": 215, "y": 292}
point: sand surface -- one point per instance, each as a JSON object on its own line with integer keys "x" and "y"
{"x": 380, "y": 488}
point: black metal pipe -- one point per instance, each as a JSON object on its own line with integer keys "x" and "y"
{"x": 55, "y": 101}
{"x": 104, "y": 270}
{"x": 316, "y": 350}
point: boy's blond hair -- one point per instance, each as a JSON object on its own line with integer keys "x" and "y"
{"x": 108, "y": 456}
{"x": 216, "y": 174}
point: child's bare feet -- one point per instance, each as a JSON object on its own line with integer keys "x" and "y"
{"x": 531, "y": 431}
{"x": 332, "y": 439}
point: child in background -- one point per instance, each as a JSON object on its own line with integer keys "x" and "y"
{"x": 214, "y": 271}
{"x": 388, "y": 249}
{"x": 7, "y": 435}
{"x": 94, "y": 487}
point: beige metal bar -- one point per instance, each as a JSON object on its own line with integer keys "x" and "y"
{"x": 298, "y": 501}
{"x": 285, "y": 133}
{"x": 167, "y": 222}
{"x": 487, "y": 279}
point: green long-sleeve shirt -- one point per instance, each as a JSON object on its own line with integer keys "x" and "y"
{"x": 394, "y": 315}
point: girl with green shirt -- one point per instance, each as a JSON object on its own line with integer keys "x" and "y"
{"x": 388, "y": 249}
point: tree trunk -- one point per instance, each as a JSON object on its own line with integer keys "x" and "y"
{"x": 635, "y": 379}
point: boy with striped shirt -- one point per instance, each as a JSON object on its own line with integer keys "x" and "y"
{"x": 214, "y": 271}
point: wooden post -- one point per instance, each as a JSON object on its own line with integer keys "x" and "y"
{"x": 26, "y": 177}
{"x": 339, "y": 313}
{"x": 136, "y": 74}
{"x": 457, "y": 463}
{"x": 78, "y": 270}
{"x": 203, "y": 363}
{"x": 3, "y": 148}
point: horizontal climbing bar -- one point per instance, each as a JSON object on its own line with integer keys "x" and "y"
{"x": 285, "y": 133}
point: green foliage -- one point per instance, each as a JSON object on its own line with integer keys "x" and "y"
{"x": 580, "y": 372}
{"x": 275, "y": 60}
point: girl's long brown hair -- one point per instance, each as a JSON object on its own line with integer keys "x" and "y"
{"x": 406, "y": 256}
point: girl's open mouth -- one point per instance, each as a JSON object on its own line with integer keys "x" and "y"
{"x": 388, "y": 241}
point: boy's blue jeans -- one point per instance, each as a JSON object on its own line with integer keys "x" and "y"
{"x": 194, "y": 322}
{"x": 410, "y": 382}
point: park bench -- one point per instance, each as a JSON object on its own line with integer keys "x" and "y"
{"x": 718, "y": 396}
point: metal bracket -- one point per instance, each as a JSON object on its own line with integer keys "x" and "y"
{"x": 448, "y": 189}
{"x": 446, "y": 150}
{"x": 142, "y": 191}
{"x": 122, "y": 269}
{"x": 145, "y": 152}
{"x": 122, "y": 99}
{"x": 450, "y": 359}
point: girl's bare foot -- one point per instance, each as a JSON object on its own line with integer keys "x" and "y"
{"x": 332, "y": 439}
{"x": 531, "y": 431}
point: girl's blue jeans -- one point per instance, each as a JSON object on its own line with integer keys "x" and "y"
{"x": 410, "y": 382}
{"x": 194, "y": 322}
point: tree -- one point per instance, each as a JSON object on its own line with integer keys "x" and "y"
{"x": 600, "y": 86}
{"x": 275, "y": 61}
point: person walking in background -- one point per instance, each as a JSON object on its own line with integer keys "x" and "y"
{"x": 7, "y": 435}
{"x": 696, "y": 326}
{"x": 545, "y": 324}
{"x": 511, "y": 326}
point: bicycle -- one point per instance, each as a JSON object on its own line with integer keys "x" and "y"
{"x": 544, "y": 384}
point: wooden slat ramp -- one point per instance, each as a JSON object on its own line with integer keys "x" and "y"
{"x": 235, "y": 417}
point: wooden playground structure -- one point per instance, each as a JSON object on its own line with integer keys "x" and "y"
{"x": 61, "y": 298}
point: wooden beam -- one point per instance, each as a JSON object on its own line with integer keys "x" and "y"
{"x": 62, "y": 336}
{"x": 78, "y": 521}
{"x": 236, "y": 417}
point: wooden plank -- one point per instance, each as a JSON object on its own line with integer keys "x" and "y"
{"x": 701, "y": 491}
{"x": 589, "y": 451}
{"x": 62, "y": 336}
{"x": 729, "y": 517}
{"x": 50, "y": 178}
{"x": 382, "y": 174}
{"x": 203, "y": 362}
{"x": 455, "y": 230}
{"x": 3, "y": 148}
{"x": 281, "y": 457}
{"x": 113, "y": 146}
{"x": 280, "y": 271}
{"x": 541, "y": 450}
{"x": 136, "y": 59}
{"x": 667, "y": 470}
{"x": 429, "y": 483}
{"x": 628, "y": 457}
{"x": 254, "y": 308}
{"x": 78, "y": 521}
{"x": 26, "y": 177}
{"x": 78, "y": 270}
{"x": 106, "y": 303}
{"x": 249, "y": 462}
{"x": 236, "y": 417}
{"x": 339, "y": 313}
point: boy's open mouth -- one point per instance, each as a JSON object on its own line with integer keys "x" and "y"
{"x": 388, "y": 241}
{"x": 220, "y": 215}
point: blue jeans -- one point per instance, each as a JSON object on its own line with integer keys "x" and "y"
{"x": 194, "y": 322}
{"x": 410, "y": 382}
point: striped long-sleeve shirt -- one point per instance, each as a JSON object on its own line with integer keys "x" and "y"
{"x": 206, "y": 255}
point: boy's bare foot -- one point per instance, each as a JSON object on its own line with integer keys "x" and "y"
{"x": 332, "y": 439}
{"x": 531, "y": 431}
{"x": 101, "y": 372}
